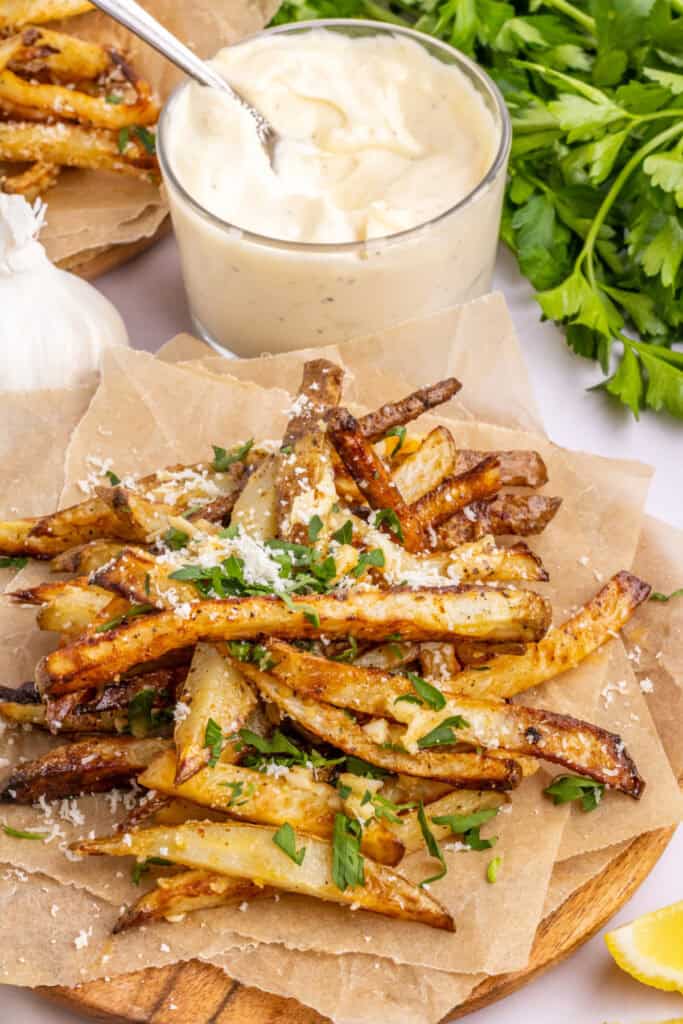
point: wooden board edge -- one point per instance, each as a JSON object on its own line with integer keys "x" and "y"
{"x": 199, "y": 989}
{"x": 101, "y": 261}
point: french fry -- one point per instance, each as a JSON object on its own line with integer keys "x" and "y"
{"x": 255, "y": 796}
{"x": 186, "y": 892}
{"x": 521, "y": 514}
{"x": 458, "y": 802}
{"x": 32, "y": 182}
{"x": 248, "y": 851}
{"x": 20, "y": 713}
{"x": 87, "y": 558}
{"x": 372, "y": 478}
{"x": 305, "y": 483}
{"x": 388, "y": 656}
{"x": 142, "y": 520}
{"x": 394, "y": 414}
{"x": 466, "y": 771}
{"x": 455, "y": 492}
{"x": 214, "y": 690}
{"x": 87, "y": 766}
{"x": 438, "y": 661}
{"x": 255, "y": 509}
{"x": 15, "y": 13}
{"x": 68, "y": 607}
{"x": 47, "y": 536}
{"x": 420, "y": 614}
{"x": 72, "y": 145}
{"x": 165, "y": 682}
{"x": 517, "y": 468}
{"x": 425, "y": 468}
{"x": 564, "y": 647}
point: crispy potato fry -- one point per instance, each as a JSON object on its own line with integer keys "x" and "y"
{"x": 466, "y": 771}
{"x": 255, "y": 796}
{"x": 517, "y": 468}
{"x": 35, "y": 713}
{"x": 564, "y": 646}
{"x": 62, "y": 55}
{"x": 165, "y": 682}
{"x": 248, "y": 851}
{"x": 180, "y": 894}
{"x": 15, "y": 13}
{"x": 138, "y": 576}
{"x": 32, "y": 182}
{"x": 50, "y": 535}
{"x": 72, "y": 145}
{"x": 142, "y": 520}
{"x": 87, "y": 558}
{"x": 372, "y": 478}
{"x": 394, "y": 414}
{"x": 455, "y": 492}
{"x": 305, "y": 484}
{"x": 527, "y": 731}
{"x": 424, "y": 469}
{"x": 521, "y": 514}
{"x": 457, "y": 802}
{"x": 420, "y": 614}
{"x": 68, "y": 607}
{"x": 87, "y": 766}
{"x": 438, "y": 661}
{"x": 388, "y": 656}
{"x": 255, "y": 509}
{"x": 215, "y": 690}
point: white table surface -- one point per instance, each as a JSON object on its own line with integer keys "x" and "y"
{"x": 587, "y": 988}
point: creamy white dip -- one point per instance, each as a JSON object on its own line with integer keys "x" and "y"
{"x": 378, "y": 136}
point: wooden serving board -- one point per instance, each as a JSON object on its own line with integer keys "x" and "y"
{"x": 101, "y": 261}
{"x": 197, "y": 993}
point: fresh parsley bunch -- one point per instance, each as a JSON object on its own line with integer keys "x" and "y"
{"x": 595, "y": 193}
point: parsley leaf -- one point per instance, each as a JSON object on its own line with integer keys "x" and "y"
{"x": 565, "y": 788}
{"x": 176, "y": 539}
{"x": 375, "y": 558}
{"x": 388, "y": 516}
{"x": 492, "y": 869}
{"x": 468, "y": 826}
{"x": 214, "y": 740}
{"x": 348, "y": 866}
{"x": 314, "y": 527}
{"x": 13, "y": 561}
{"x": 400, "y": 433}
{"x": 657, "y": 596}
{"x": 16, "y": 833}
{"x": 113, "y": 479}
{"x": 141, "y": 867}
{"x": 431, "y": 844}
{"x": 349, "y": 653}
{"x": 427, "y": 694}
{"x": 133, "y": 612}
{"x": 344, "y": 535}
{"x": 224, "y": 459}
{"x": 442, "y": 734}
{"x": 285, "y": 838}
{"x": 356, "y": 766}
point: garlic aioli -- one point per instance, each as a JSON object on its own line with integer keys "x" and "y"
{"x": 378, "y": 137}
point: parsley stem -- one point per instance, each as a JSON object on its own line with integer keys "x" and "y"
{"x": 380, "y": 13}
{"x": 617, "y": 185}
{"x": 580, "y": 17}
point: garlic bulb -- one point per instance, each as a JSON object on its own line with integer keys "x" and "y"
{"x": 53, "y": 325}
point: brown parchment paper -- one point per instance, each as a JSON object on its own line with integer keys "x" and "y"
{"x": 90, "y": 210}
{"x": 348, "y": 959}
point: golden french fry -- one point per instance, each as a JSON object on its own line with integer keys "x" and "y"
{"x": 15, "y": 13}
{"x": 183, "y": 893}
{"x": 420, "y": 614}
{"x": 214, "y": 690}
{"x": 458, "y": 802}
{"x": 87, "y": 766}
{"x": 455, "y": 492}
{"x": 425, "y": 468}
{"x": 69, "y": 607}
{"x": 74, "y": 146}
{"x": 394, "y": 414}
{"x": 521, "y": 514}
{"x": 31, "y": 183}
{"x": 248, "y": 851}
{"x": 517, "y": 468}
{"x": 87, "y": 558}
{"x": 255, "y": 509}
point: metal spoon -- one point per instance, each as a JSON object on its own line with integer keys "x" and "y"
{"x": 138, "y": 21}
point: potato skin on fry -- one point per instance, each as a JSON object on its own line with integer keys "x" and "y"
{"x": 453, "y": 493}
{"x": 181, "y": 894}
{"x": 425, "y": 614}
{"x": 374, "y": 425}
{"x": 88, "y": 766}
{"x": 520, "y": 514}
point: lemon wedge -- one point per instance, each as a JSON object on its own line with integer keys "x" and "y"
{"x": 651, "y": 948}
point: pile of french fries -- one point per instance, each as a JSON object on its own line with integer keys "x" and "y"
{"x": 304, "y": 654}
{"x": 67, "y": 102}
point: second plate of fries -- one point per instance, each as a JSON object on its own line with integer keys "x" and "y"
{"x": 311, "y": 657}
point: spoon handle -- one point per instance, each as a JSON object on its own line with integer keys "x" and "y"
{"x": 135, "y": 18}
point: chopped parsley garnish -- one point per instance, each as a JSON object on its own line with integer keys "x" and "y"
{"x": 344, "y": 535}
{"x": 141, "y": 867}
{"x": 113, "y": 479}
{"x": 565, "y": 788}
{"x": 243, "y": 650}
{"x": 389, "y": 517}
{"x": 175, "y": 539}
{"x": 286, "y": 449}
{"x": 279, "y": 749}
{"x": 443, "y": 733}
{"x": 400, "y": 433}
{"x": 229, "y": 532}
{"x": 285, "y": 838}
{"x": 146, "y": 137}
{"x": 468, "y": 825}
{"x": 13, "y": 561}
{"x": 132, "y": 613}
{"x": 113, "y": 99}
{"x": 425, "y": 693}
{"x": 384, "y": 808}
{"x": 431, "y": 844}
{"x": 349, "y": 653}
{"x": 214, "y": 740}
{"x": 374, "y": 558}
{"x": 356, "y": 766}
{"x": 657, "y": 596}
{"x": 148, "y": 583}
{"x": 493, "y": 869}
{"x": 240, "y": 793}
{"x": 123, "y": 139}
{"x": 223, "y": 458}
{"x": 347, "y": 860}
{"x": 343, "y": 790}
{"x": 314, "y": 527}
{"x": 17, "y": 833}
{"x": 142, "y": 718}
{"x": 309, "y": 613}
